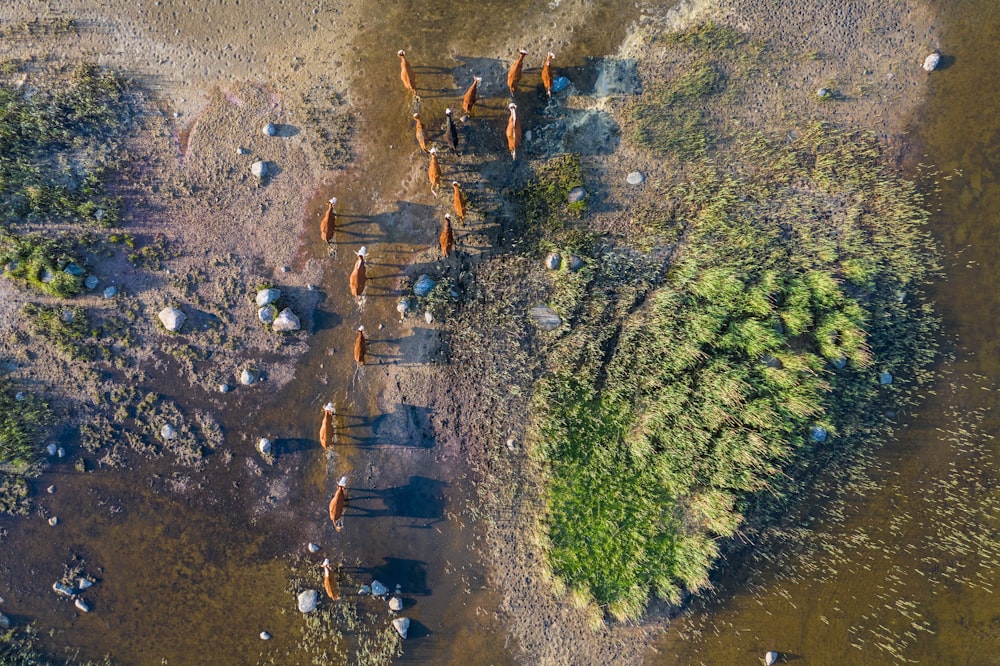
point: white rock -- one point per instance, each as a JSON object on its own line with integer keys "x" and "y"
{"x": 82, "y": 605}
{"x": 267, "y": 296}
{"x": 378, "y": 589}
{"x": 84, "y": 583}
{"x": 51, "y": 449}
{"x": 401, "y": 625}
{"x": 62, "y": 588}
{"x": 313, "y": 547}
{"x": 634, "y": 178}
{"x": 267, "y": 314}
{"x": 395, "y": 604}
{"x": 264, "y": 446}
{"x": 264, "y": 636}
{"x": 286, "y": 321}
{"x": 931, "y": 62}
{"x": 168, "y": 431}
{"x": 258, "y": 169}
{"x": 270, "y": 129}
{"x": 247, "y": 378}
{"x": 553, "y": 260}
{"x": 404, "y": 306}
{"x": 53, "y": 521}
{"x": 308, "y": 600}
{"x": 428, "y": 316}
{"x": 172, "y": 318}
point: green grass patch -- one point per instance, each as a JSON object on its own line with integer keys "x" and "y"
{"x": 669, "y": 119}
{"x": 68, "y": 329}
{"x": 41, "y": 263}
{"x": 798, "y": 279}
{"x": 21, "y": 420}
{"x": 543, "y": 207}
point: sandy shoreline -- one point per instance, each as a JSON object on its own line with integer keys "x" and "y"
{"x": 218, "y": 74}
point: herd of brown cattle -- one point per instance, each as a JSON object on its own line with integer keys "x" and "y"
{"x": 447, "y": 238}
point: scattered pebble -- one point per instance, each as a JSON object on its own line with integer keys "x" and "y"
{"x": 404, "y": 306}
{"x": 82, "y": 605}
{"x": 401, "y": 625}
{"x": 264, "y": 636}
{"x": 53, "y": 521}
{"x": 111, "y": 292}
{"x": 311, "y": 287}
{"x": 308, "y": 601}
{"x": 313, "y": 547}
{"x": 823, "y": 93}
{"x": 381, "y": 326}
{"x": 270, "y": 129}
{"x": 60, "y": 452}
{"x": 635, "y": 178}
{"x": 264, "y": 446}
{"x": 286, "y": 269}
{"x": 258, "y": 169}
{"x": 247, "y": 378}
{"x": 242, "y": 151}
{"x": 91, "y": 282}
{"x": 224, "y": 388}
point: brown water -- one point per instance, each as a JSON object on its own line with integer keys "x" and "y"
{"x": 901, "y": 561}
{"x": 193, "y": 564}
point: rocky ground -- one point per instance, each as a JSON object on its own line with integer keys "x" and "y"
{"x": 215, "y": 75}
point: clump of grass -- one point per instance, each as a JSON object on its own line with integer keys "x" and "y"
{"x": 709, "y": 36}
{"x": 41, "y": 263}
{"x": 22, "y": 417}
{"x": 544, "y": 210}
{"x": 65, "y": 328}
{"x": 669, "y": 119}
{"x": 780, "y": 307}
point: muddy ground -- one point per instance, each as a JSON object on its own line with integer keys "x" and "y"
{"x": 212, "y": 75}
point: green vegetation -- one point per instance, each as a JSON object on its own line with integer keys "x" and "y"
{"x": 544, "y": 210}
{"x": 49, "y": 265}
{"x": 22, "y": 417}
{"x": 796, "y": 283}
{"x": 669, "y": 118}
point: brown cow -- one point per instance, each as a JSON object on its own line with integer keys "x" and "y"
{"x": 513, "y": 131}
{"x": 469, "y": 101}
{"x": 338, "y": 504}
{"x": 330, "y": 582}
{"x": 421, "y": 137}
{"x": 459, "y": 204}
{"x": 360, "y": 346}
{"x": 406, "y": 73}
{"x": 326, "y": 427}
{"x": 447, "y": 237}
{"x": 434, "y": 172}
{"x": 328, "y": 225}
{"x": 547, "y": 73}
{"x": 514, "y": 75}
{"x": 359, "y": 274}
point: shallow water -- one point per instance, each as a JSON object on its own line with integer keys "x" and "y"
{"x": 901, "y": 561}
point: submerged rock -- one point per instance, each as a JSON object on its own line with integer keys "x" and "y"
{"x": 172, "y": 318}
{"x": 308, "y": 601}
{"x": 545, "y": 317}
{"x": 423, "y": 286}
{"x": 286, "y": 321}
{"x": 401, "y": 625}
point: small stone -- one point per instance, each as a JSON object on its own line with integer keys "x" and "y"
{"x": 423, "y": 286}
{"x": 51, "y": 490}
{"x": 286, "y": 321}
{"x": 168, "y": 432}
{"x": 559, "y": 84}
{"x": 264, "y": 636}
{"x": 404, "y": 306}
{"x": 553, "y": 260}
{"x": 60, "y": 452}
{"x": 264, "y": 446}
{"x": 19, "y": 396}
{"x": 258, "y": 169}
{"x": 575, "y": 263}
{"x": 818, "y": 434}
{"x": 823, "y": 93}
{"x": 62, "y": 588}
{"x": 82, "y": 605}
{"x": 313, "y": 547}
{"x": 395, "y": 604}
{"x": 267, "y": 296}
{"x": 286, "y": 269}
{"x": 270, "y": 129}
{"x": 365, "y": 590}
{"x": 308, "y": 601}
{"x": 4, "y": 621}
{"x": 53, "y": 521}
{"x": 576, "y": 194}
{"x": 111, "y": 292}
{"x": 401, "y": 625}
{"x": 172, "y": 318}
{"x": 311, "y": 287}
{"x": 74, "y": 269}
{"x": 884, "y": 378}
{"x": 932, "y": 61}
{"x": 428, "y": 316}
{"x": 634, "y": 178}
{"x": 224, "y": 388}
{"x": 84, "y": 583}
{"x": 545, "y": 317}
{"x": 247, "y": 378}
{"x": 242, "y": 151}
{"x": 267, "y": 314}
{"x": 91, "y": 282}
{"x": 51, "y": 449}
{"x": 511, "y": 444}
{"x": 68, "y": 317}
{"x": 47, "y": 276}
{"x": 839, "y": 362}
{"x": 378, "y": 589}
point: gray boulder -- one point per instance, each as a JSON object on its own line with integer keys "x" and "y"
{"x": 401, "y": 625}
{"x": 111, "y": 292}
{"x": 576, "y": 194}
{"x": 168, "y": 431}
{"x": 267, "y": 314}
{"x": 553, "y": 260}
{"x": 545, "y": 317}
{"x": 395, "y": 604}
{"x": 931, "y": 62}
{"x": 423, "y": 286}
{"x": 247, "y": 378}
{"x": 91, "y": 282}
{"x": 172, "y": 318}
{"x": 634, "y": 178}
{"x": 267, "y": 296}
{"x": 259, "y": 170}
{"x": 378, "y": 589}
{"x": 308, "y": 601}
{"x": 286, "y": 321}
